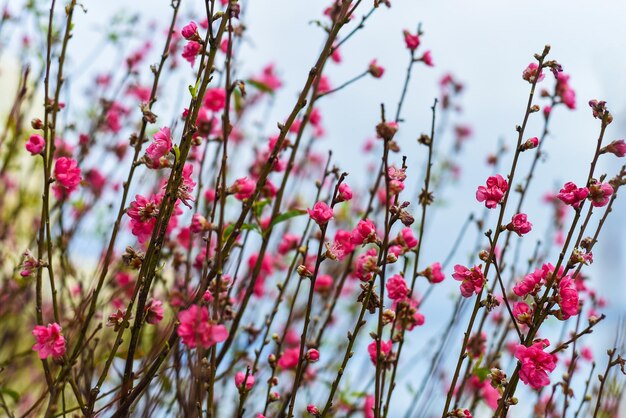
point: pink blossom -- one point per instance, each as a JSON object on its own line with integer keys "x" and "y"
{"x": 617, "y": 148}
{"x": 520, "y": 225}
{"x": 396, "y": 287}
{"x": 364, "y": 232}
{"x": 321, "y": 213}
{"x": 407, "y": 238}
{"x": 522, "y": 313}
{"x": 50, "y": 341}
{"x": 493, "y": 192}
{"x": 565, "y": 91}
{"x": 568, "y": 298}
{"x": 572, "y": 195}
{"x": 312, "y": 355}
{"x": 268, "y": 79}
{"x": 323, "y": 283}
{"x": 368, "y": 406}
{"x": 599, "y": 194}
{"x": 531, "y": 143}
{"x": 344, "y": 193}
{"x": 366, "y": 265}
{"x": 143, "y": 213}
{"x": 35, "y": 144}
{"x": 241, "y": 378}
{"x": 243, "y": 188}
{"x": 411, "y": 41}
{"x": 190, "y": 51}
{"x": 385, "y": 349}
{"x": 434, "y": 274}
{"x": 215, "y": 99}
{"x": 535, "y": 364}
{"x": 290, "y": 358}
{"x": 154, "y": 311}
{"x": 530, "y": 73}
{"x": 189, "y": 30}
{"x": 427, "y": 59}
{"x": 376, "y": 70}
{"x": 531, "y": 283}
{"x": 159, "y": 148}
{"x": 195, "y": 329}
{"x": 472, "y": 279}
{"x": 67, "y": 177}
{"x": 288, "y": 243}
{"x": 313, "y": 410}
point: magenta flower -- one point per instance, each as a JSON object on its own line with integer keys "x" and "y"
{"x": 396, "y": 287}
{"x": 290, "y": 358}
{"x": 531, "y": 283}
{"x": 427, "y": 59}
{"x": 50, "y": 341}
{"x": 568, "y": 297}
{"x": 434, "y": 274}
{"x": 154, "y": 311}
{"x": 323, "y": 283}
{"x": 195, "y": 329}
{"x": 535, "y": 364}
{"x": 344, "y": 193}
{"x": 385, "y": 349}
{"x": 189, "y": 30}
{"x": 530, "y": 73}
{"x": 159, "y": 148}
{"x": 190, "y": 51}
{"x": 215, "y": 99}
{"x": 407, "y": 239}
{"x": 617, "y": 148}
{"x": 313, "y": 410}
{"x": 312, "y": 355}
{"x": 364, "y": 232}
{"x": 35, "y": 144}
{"x": 67, "y": 177}
{"x": 243, "y": 188}
{"x": 493, "y": 192}
{"x": 522, "y": 313}
{"x": 599, "y": 194}
{"x": 411, "y": 41}
{"x": 472, "y": 279}
{"x": 572, "y": 195}
{"x": 520, "y": 225}
{"x": 242, "y": 380}
{"x": 321, "y": 213}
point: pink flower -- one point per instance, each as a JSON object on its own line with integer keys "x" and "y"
{"x": 493, "y": 192}
{"x": 411, "y": 41}
{"x": 323, "y": 283}
{"x": 159, "y": 148}
{"x": 365, "y": 231}
{"x": 35, "y": 144}
{"x": 407, "y": 239}
{"x": 396, "y": 287}
{"x": 572, "y": 195}
{"x": 268, "y": 79}
{"x": 215, "y": 99}
{"x": 154, "y": 311}
{"x": 312, "y": 355}
{"x": 385, "y": 349}
{"x": 143, "y": 213}
{"x": 312, "y": 409}
{"x": 599, "y": 194}
{"x": 50, "y": 341}
{"x": 190, "y": 51}
{"x": 531, "y": 143}
{"x": 519, "y": 224}
{"x": 530, "y": 73}
{"x": 531, "y": 283}
{"x": 321, "y": 213}
{"x": 288, "y": 243}
{"x": 243, "y": 188}
{"x": 434, "y": 274}
{"x": 241, "y": 379}
{"x": 522, "y": 313}
{"x": 428, "y": 59}
{"x": 568, "y": 297}
{"x": 535, "y": 364}
{"x": 67, "y": 176}
{"x": 290, "y": 358}
{"x": 565, "y": 91}
{"x": 368, "y": 406}
{"x": 344, "y": 193}
{"x": 617, "y": 148}
{"x": 195, "y": 330}
{"x": 376, "y": 70}
{"x": 190, "y": 30}
{"x": 472, "y": 280}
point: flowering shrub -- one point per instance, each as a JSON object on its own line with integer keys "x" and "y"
{"x": 192, "y": 262}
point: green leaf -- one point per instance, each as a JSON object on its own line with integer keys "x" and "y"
{"x": 260, "y": 86}
{"x": 258, "y": 206}
{"x": 10, "y": 392}
{"x": 481, "y": 373}
{"x": 245, "y": 227}
{"x": 287, "y": 215}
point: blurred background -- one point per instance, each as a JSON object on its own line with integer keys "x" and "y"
{"x": 484, "y": 44}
